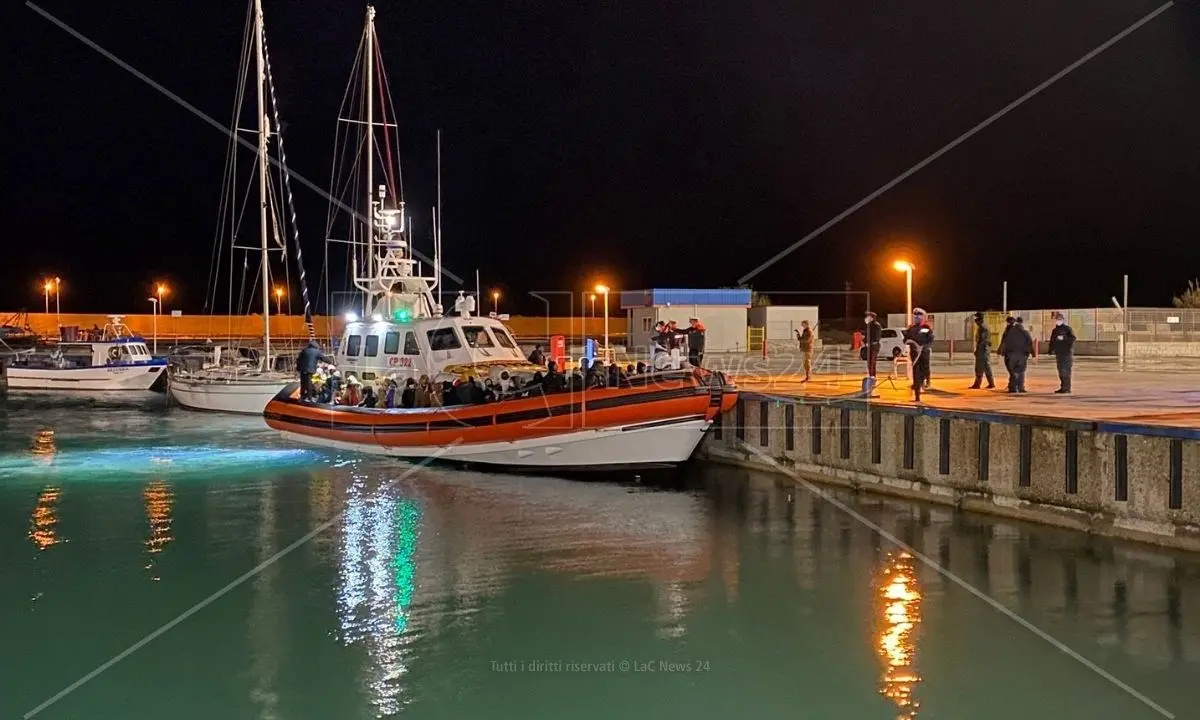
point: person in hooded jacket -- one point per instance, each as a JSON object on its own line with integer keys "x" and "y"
{"x": 872, "y": 341}
{"x": 695, "y": 341}
{"x": 1062, "y": 347}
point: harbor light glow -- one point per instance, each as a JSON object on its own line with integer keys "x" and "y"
{"x": 903, "y": 266}
{"x": 351, "y": 317}
{"x": 138, "y": 463}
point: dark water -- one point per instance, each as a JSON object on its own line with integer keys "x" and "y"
{"x": 445, "y": 594}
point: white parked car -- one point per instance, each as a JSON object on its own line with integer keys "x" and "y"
{"x": 891, "y": 344}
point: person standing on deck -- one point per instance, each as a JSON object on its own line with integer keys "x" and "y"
{"x": 806, "y": 348}
{"x": 919, "y": 336}
{"x": 874, "y": 333}
{"x": 983, "y": 350}
{"x": 695, "y": 341}
{"x": 307, "y": 360}
{"x": 537, "y": 356}
{"x": 1062, "y": 347}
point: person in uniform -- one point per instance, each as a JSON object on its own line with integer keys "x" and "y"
{"x": 1018, "y": 346}
{"x": 1062, "y": 347}
{"x": 874, "y": 332}
{"x": 306, "y": 364}
{"x": 919, "y": 337}
{"x": 695, "y": 341}
{"x": 983, "y": 350}
{"x": 806, "y": 348}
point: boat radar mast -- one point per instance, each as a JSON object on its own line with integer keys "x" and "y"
{"x": 392, "y": 282}
{"x": 394, "y": 285}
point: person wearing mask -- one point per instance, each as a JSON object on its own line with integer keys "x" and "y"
{"x": 872, "y": 339}
{"x": 806, "y": 348}
{"x": 408, "y": 398}
{"x": 1062, "y": 347}
{"x": 919, "y": 337}
{"x": 306, "y": 364}
{"x": 1018, "y": 346}
{"x": 983, "y": 357}
{"x": 537, "y": 356}
{"x": 695, "y": 340}
{"x": 370, "y": 399}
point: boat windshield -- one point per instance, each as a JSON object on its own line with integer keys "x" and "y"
{"x": 503, "y": 338}
{"x": 477, "y": 336}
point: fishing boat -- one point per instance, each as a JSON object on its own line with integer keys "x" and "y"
{"x": 402, "y": 334}
{"x": 119, "y": 360}
{"x": 234, "y": 387}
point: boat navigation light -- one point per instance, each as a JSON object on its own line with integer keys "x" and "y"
{"x": 351, "y": 317}
{"x": 377, "y": 317}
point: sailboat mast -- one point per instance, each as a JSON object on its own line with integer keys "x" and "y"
{"x": 263, "y": 130}
{"x": 370, "y": 63}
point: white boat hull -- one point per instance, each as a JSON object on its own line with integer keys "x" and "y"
{"x": 657, "y": 443}
{"x": 241, "y": 395}
{"x": 116, "y": 377}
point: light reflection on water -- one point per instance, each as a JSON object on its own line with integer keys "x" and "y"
{"x": 158, "y": 498}
{"x": 43, "y": 526}
{"x": 900, "y": 603}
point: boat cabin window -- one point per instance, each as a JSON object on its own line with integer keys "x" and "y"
{"x": 443, "y": 339}
{"x": 353, "y": 343}
{"x": 503, "y": 338}
{"x": 477, "y": 336}
{"x": 410, "y": 344}
{"x": 391, "y": 343}
{"x": 372, "y": 348}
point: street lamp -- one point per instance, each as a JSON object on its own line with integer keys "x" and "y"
{"x": 48, "y": 286}
{"x": 160, "y": 290}
{"x": 154, "y": 316}
{"x": 603, "y": 290}
{"x": 907, "y": 268}
{"x": 278, "y": 301}
{"x": 593, "y": 304}
{"x": 57, "y": 293}
{"x": 496, "y": 302}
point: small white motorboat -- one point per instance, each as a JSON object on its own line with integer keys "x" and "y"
{"x": 120, "y": 360}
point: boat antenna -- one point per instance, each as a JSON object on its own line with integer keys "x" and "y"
{"x": 437, "y": 220}
{"x": 478, "y": 292}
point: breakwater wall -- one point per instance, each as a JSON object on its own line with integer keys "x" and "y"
{"x": 1122, "y": 480}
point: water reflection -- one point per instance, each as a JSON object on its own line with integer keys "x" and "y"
{"x": 44, "y": 522}
{"x": 44, "y": 446}
{"x": 900, "y": 603}
{"x": 378, "y": 579}
{"x": 158, "y": 498}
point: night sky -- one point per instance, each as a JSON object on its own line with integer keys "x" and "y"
{"x": 648, "y": 143}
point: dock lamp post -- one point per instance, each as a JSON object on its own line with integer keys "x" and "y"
{"x": 496, "y": 302}
{"x": 154, "y": 321}
{"x": 907, "y": 268}
{"x": 278, "y": 301}
{"x": 603, "y": 290}
{"x": 57, "y": 293}
{"x": 593, "y": 304}
{"x": 47, "y": 287}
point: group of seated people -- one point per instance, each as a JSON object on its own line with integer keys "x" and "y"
{"x": 424, "y": 392}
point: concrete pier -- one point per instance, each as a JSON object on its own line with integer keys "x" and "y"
{"x": 1127, "y": 480}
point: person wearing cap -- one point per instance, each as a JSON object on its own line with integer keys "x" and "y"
{"x": 874, "y": 333}
{"x": 983, "y": 350}
{"x": 1062, "y": 347}
{"x": 919, "y": 337}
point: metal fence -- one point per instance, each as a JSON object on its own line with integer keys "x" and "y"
{"x": 1151, "y": 325}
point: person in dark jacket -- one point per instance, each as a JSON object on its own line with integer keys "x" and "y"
{"x": 1017, "y": 346}
{"x": 874, "y": 333}
{"x": 408, "y": 398}
{"x": 537, "y": 357}
{"x": 1062, "y": 347}
{"x": 695, "y": 340}
{"x": 919, "y": 337}
{"x": 983, "y": 354}
{"x": 370, "y": 399}
{"x": 306, "y": 364}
